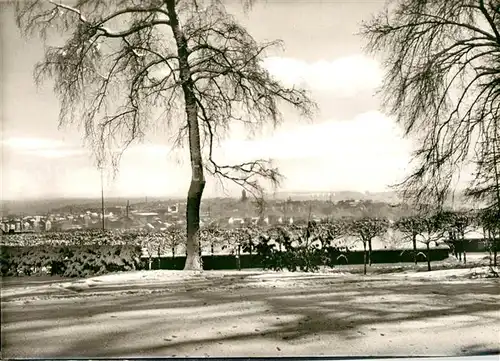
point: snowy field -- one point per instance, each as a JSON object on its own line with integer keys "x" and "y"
{"x": 254, "y": 313}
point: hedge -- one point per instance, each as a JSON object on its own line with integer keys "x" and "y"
{"x": 68, "y": 260}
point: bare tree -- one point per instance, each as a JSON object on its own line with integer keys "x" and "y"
{"x": 365, "y": 229}
{"x": 411, "y": 227}
{"x": 456, "y": 224}
{"x": 442, "y": 84}
{"x": 333, "y": 231}
{"x": 490, "y": 222}
{"x": 125, "y": 67}
{"x": 433, "y": 229}
{"x": 260, "y": 205}
{"x": 485, "y": 187}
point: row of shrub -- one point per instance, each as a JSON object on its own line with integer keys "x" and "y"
{"x": 268, "y": 253}
{"x": 69, "y": 261}
{"x": 89, "y": 261}
{"x": 156, "y": 244}
{"x": 172, "y": 237}
{"x": 85, "y": 253}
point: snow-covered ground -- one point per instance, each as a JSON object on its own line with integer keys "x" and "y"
{"x": 253, "y": 313}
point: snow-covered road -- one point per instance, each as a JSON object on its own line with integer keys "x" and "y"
{"x": 253, "y": 313}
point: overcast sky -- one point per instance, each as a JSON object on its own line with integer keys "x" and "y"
{"x": 350, "y": 145}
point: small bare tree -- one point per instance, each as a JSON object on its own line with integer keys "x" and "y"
{"x": 366, "y": 229}
{"x": 411, "y": 227}
{"x": 260, "y": 208}
{"x": 433, "y": 229}
{"x": 490, "y": 222}
{"x": 126, "y": 66}
{"x": 457, "y": 224}
{"x": 442, "y": 84}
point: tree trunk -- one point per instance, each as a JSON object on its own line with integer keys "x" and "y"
{"x": 464, "y": 250}
{"x": 364, "y": 258}
{"x": 494, "y": 255}
{"x": 239, "y": 258}
{"x": 193, "y": 259}
{"x": 487, "y": 244}
{"x": 415, "y": 249}
{"x": 428, "y": 256}
{"x": 370, "y": 252}
{"x": 250, "y": 251}
{"x": 495, "y": 249}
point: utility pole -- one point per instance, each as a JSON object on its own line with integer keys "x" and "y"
{"x": 102, "y": 200}
{"x": 128, "y": 206}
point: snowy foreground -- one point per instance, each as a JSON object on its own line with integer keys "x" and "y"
{"x": 254, "y": 313}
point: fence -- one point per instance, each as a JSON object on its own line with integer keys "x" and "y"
{"x": 225, "y": 262}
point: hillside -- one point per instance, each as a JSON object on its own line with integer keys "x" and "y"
{"x": 387, "y": 197}
{"x": 217, "y": 206}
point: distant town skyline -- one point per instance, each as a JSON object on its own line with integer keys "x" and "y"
{"x": 350, "y": 145}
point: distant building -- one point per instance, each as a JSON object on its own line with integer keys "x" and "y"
{"x": 129, "y": 223}
{"x": 236, "y": 221}
{"x": 118, "y": 210}
{"x": 173, "y": 209}
{"x": 145, "y": 217}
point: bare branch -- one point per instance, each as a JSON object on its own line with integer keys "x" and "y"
{"x": 123, "y": 66}
{"x": 442, "y": 77}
